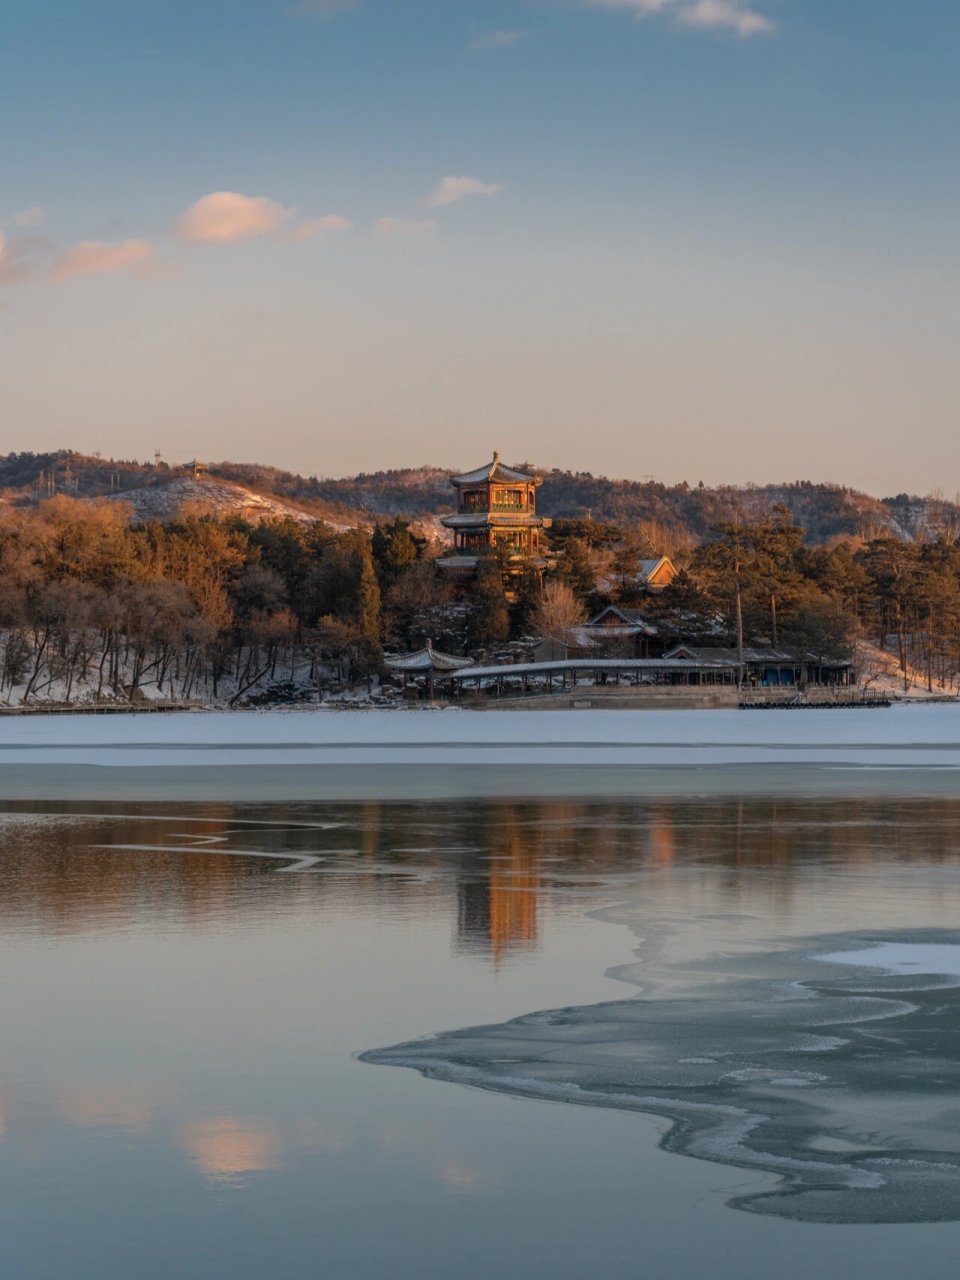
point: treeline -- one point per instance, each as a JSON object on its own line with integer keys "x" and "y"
{"x": 761, "y": 579}
{"x": 93, "y": 606}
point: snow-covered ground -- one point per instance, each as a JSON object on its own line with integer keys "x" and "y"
{"x": 495, "y": 751}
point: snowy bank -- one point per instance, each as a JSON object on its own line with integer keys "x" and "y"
{"x": 276, "y": 755}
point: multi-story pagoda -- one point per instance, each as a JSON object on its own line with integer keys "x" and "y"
{"x": 496, "y": 515}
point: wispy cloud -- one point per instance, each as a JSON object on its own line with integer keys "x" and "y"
{"x": 227, "y": 217}
{"x": 94, "y": 258}
{"x": 491, "y": 40}
{"x": 738, "y": 16}
{"x": 320, "y": 227}
{"x": 27, "y": 218}
{"x": 453, "y": 190}
{"x": 404, "y": 228}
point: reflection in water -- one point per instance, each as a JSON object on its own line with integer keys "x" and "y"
{"x": 194, "y": 984}
{"x": 493, "y": 864}
{"x": 226, "y": 1147}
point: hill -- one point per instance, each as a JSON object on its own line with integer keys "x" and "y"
{"x": 423, "y": 494}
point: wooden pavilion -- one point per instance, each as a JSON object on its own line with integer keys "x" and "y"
{"x": 426, "y": 668}
{"x": 496, "y": 515}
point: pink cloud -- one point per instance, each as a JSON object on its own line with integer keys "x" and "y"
{"x": 227, "y": 217}
{"x": 93, "y": 258}
{"x": 321, "y": 226}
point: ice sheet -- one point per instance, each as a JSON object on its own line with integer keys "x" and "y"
{"x": 846, "y": 1088}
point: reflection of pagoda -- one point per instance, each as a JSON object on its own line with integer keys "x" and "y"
{"x": 496, "y": 515}
{"x": 498, "y": 914}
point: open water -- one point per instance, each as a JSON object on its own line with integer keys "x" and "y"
{"x": 713, "y": 1037}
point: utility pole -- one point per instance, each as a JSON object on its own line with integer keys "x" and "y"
{"x": 736, "y": 575}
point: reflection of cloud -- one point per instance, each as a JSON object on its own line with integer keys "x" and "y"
{"x": 460, "y": 1177}
{"x": 97, "y": 1106}
{"x": 228, "y": 217}
{"x": 320, "y": 1136}
{"x": 226, "y": 1147}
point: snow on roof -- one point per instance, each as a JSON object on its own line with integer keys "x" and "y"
{"x": 479, "y": 519}
{"x": 629, "y": 617}
{"x": 588, "y": 664}
{"x": 494, "y": 470}
{"x": 427, "y": 659}
{"x": 728, "y": 657}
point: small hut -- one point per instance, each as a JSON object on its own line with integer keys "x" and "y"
{"x": 428, "y": 665}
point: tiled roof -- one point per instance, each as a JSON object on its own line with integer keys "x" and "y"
{"x": 493, "y": 471}
{"x": 480, "y": 519}
{"x": 428, "y": 659}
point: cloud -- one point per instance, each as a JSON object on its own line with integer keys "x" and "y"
{"x": 29, "y": 217}
{"x": 738, "y": 16}
{"x": 320, "y": 227}
{"x": 453, "y": 190}
{"x": 404, "y": 228}
{"x": 93, "y": 258}
{"x": 495, "y": 40}
{"x": 227, "y": 217}
{"x": 730, "y": 14}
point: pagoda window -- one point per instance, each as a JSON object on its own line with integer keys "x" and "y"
{"x": 519, "y": 538}
{"x": 474, "y": 500}
{"x": 513, "y": 499}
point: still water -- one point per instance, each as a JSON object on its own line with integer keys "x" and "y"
{"x": 189, "y": 989}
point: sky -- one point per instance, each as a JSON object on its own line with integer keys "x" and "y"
{"x": 695, "y": 239}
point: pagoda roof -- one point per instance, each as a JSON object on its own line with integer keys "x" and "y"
{"x": 502, "y": 520}
{"x": 426, "y": 659}
{"x": 494, "y": 471}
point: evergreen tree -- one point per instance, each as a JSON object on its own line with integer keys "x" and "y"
{"x": 489, "y": 616}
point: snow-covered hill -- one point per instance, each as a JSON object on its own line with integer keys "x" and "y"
{"x": 205, "y": 495}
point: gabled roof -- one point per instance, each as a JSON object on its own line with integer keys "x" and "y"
{"x": 649, "y": 567}
{"x": 628, "y": 617}
{"x": 427, "y": 659}
{"x": 492, "y": 472}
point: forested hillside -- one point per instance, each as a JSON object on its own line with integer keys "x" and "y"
{"x": 683, "y": 513}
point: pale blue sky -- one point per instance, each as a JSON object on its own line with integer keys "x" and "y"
{"x": 703, "y": 239}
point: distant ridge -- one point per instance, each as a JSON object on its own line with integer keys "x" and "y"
{"x": 423, "y": 494}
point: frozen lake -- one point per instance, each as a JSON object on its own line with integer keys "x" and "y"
{"x": 191, "y": 985}
{"x": 303, "y": 755}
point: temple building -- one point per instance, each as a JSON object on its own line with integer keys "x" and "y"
{"x": 496, "y": 515}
